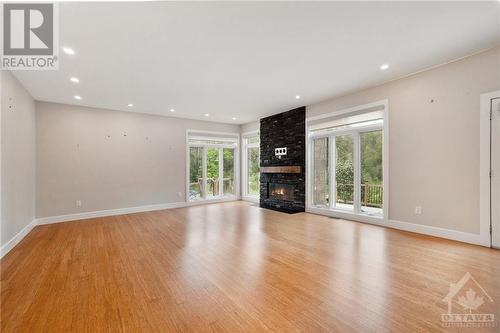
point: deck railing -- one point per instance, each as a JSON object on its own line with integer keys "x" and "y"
{"x": 371, "y": 194}
{"x": 212, "y": 186}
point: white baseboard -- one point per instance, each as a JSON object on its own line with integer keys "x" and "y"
{"x": 108, "y": 212}
{"x": 128, "y": 210}
{"x": 16, "y": 239}
{"x": 460, "y": 236}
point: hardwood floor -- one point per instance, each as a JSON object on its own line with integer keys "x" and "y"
{"x": 234, "y": 267}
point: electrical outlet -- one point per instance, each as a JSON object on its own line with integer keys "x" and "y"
{"x": 78, "y": 203}
{"x": 418, "y": 210}
{"x": 179, "y": 194}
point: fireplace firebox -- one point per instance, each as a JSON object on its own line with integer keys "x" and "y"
{"x": 282, "y": 192}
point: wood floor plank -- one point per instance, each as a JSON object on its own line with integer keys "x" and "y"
{"x": 234, "y": 267}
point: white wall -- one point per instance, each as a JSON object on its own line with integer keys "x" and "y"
{"x": 76, "y": 160}
{"x": 434, "y": 139}
{"x": 17, "y": 160}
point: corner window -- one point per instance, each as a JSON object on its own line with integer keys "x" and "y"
{"x": 251, "y": 165}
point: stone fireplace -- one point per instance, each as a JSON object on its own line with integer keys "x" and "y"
{"x": 282, "y": 161}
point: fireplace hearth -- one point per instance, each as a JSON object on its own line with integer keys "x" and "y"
{"x": 282, "y": 176}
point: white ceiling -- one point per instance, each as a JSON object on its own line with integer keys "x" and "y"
{"x": 250, "y": 59}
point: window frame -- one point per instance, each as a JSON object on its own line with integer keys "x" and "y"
{"x": 233, "y": 140}
{"x": 244, "y": 165}
{"x": 356, "y": 213}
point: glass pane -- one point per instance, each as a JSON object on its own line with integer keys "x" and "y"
{"x": 195, "y": 173}
{"x": 253, "y": 139}
{"x": 253, "y": 171}
{"x": 320, "y": 173}
{"x": 212, "y": 172}
{"x": 228, "y": 170}
{"x": 344, "y": 171}
{"x": 371, "y": 172}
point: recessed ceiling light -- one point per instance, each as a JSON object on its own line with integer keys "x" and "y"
{"x": 297, "y": 96}
{"x": 206, "y": 115}
{"x": 68, "y": 50}
{"x": 172, "y": 110}
{"x": 75, "y": 79}
{"x": 130, "y": 105}
{"x": 234, "y": 118}
{"x": 384, "y": 67}
{"x": 77, "y": 97}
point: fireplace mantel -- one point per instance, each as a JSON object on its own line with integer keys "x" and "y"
{"x": 281, "y": 169}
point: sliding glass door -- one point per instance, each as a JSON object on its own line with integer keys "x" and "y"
{"x": 347, "y": 168}
{"x": 211, "y": 168}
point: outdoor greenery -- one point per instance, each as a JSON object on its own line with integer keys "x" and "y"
{"x": 196, "y": 172}
{"x": 253, "y": 171}
{"x": 212, "y": 164}
{"x": 344, "y": 169}
{"x": 371, "y": 157}
{"x": 371, "y": 164}
{"x": 228, "y": 170}
{"x": 195, "y": 156}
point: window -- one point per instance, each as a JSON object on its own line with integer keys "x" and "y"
{"x": 321, "y": 173}
{"x": 196, "y": 173}
{"x": 228, "y": 171}
{"x": 371, "y": 171}
{"x": 344, "y": 171}
{"x": 346, "y": 160}
{"x": 251, "y": 165}
{"x": 211, "y": 161}
{"x": 212, "y": 180}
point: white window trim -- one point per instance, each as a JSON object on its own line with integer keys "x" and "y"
{"x": 244, "y": 166}
{"x": 335, "y": 212}
{"x": 236, "y": 146}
